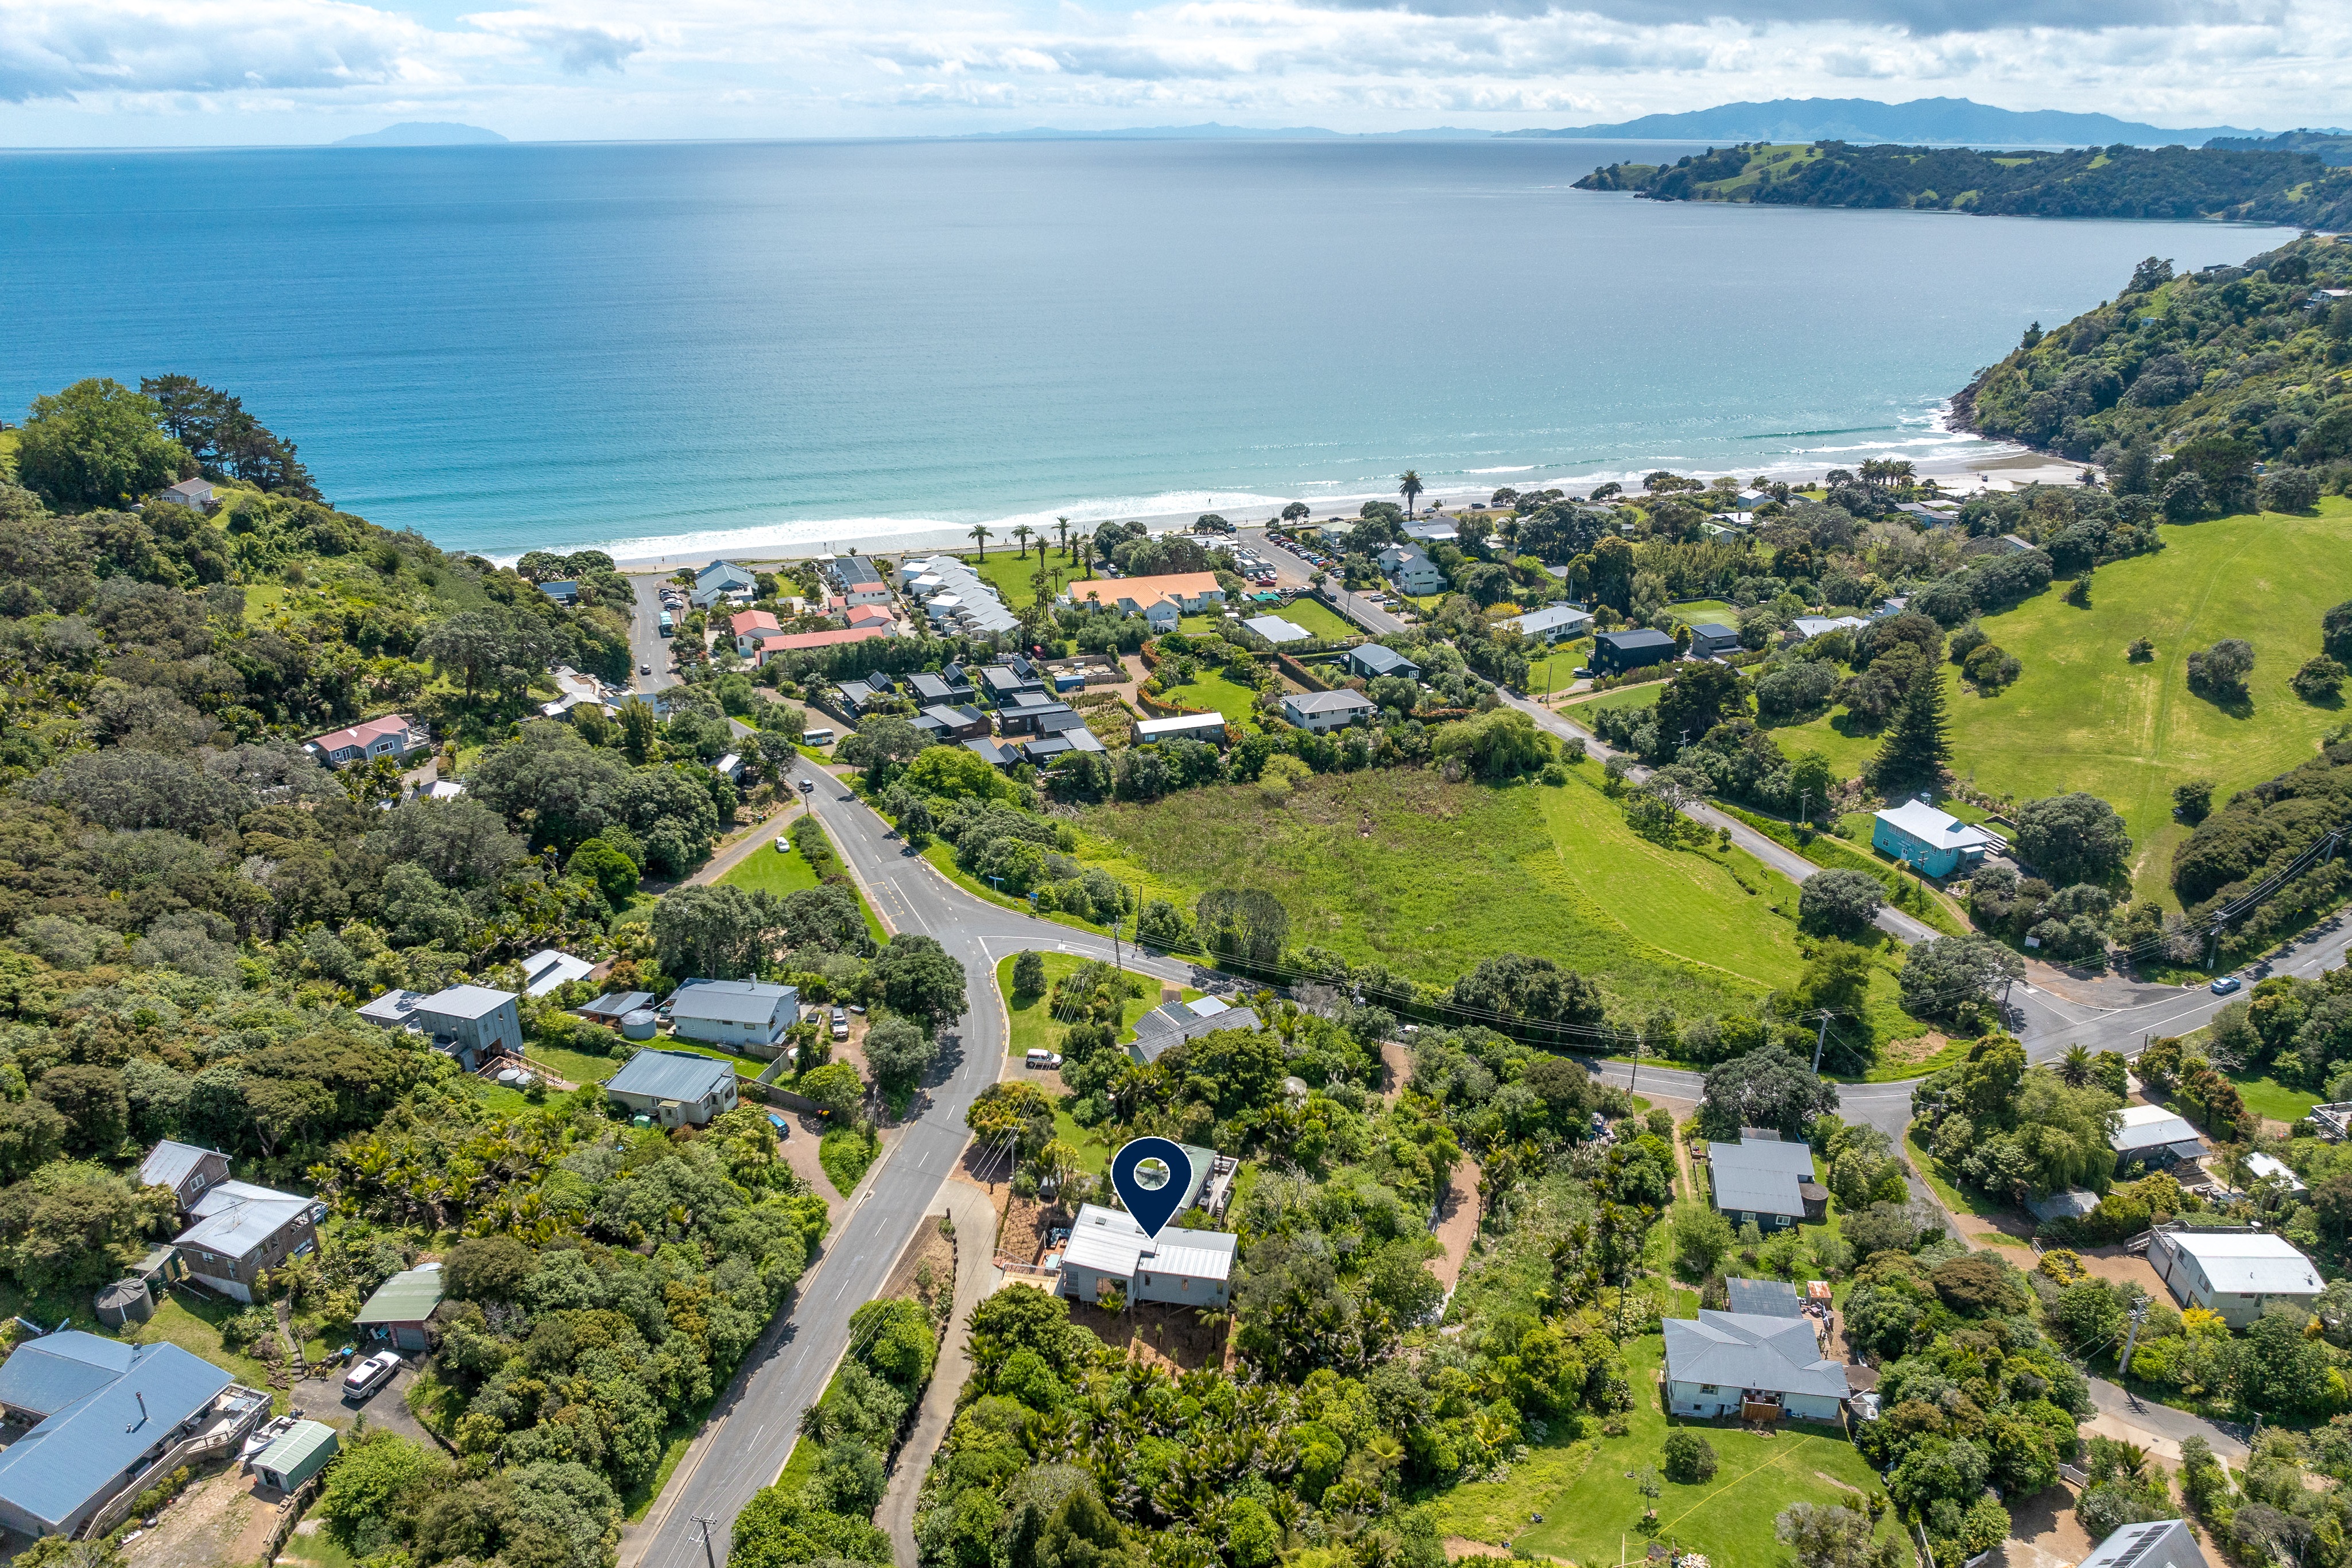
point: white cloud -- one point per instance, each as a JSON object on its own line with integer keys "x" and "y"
{"x": 687, "y": 67}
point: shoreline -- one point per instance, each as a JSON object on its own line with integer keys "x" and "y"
{"x": 2003, "y": 464}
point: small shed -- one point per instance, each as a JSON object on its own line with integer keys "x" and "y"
{"x": 300, "y": 1453}
{"x": 162, "y": 1268}
{"x": 125, "y": 1301}
{"x": 401, "y": 1304}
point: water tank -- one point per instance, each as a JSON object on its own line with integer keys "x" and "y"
{"x": 125, "y": 1301}
{"x": 639, "y": 1025}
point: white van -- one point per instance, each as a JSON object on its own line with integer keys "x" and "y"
{"x": 817, "y": 736}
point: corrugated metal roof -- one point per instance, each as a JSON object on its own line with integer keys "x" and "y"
{"x": 408, "y": 1296}
{"x": 464, "y": 1002}
{"x": 1168, "y": 1026}
{"x": 45, "y": 1375}
{"x": 295, "y": 1445}
{"x": 1109, "y": 1241}
{"x": 733, "y": 1001}
{"x": 2247, "y": 1262}
{"x": 169, "y": 1162}
{"x": 1760, "y": 1174}
{"x": 551, "y": 967}
{"x": 1929, "y": 826}
{"x": 670, "y": 1075}
{"x": 1763, "y": 1298}
{"x": 1735, "y": 1350}
{"x": 2150, "y": 1127}
{"x": 2159, "y": 1543}
{"x": 70, "y": 1460}
{"x": 237, "y": 1216}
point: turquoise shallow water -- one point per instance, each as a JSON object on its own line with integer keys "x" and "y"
{"x": 679, "y": 346}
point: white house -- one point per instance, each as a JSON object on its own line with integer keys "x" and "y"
{"x": 1553, "y": 623}
{"x": 550, "y": 968}
{"x": 749, "y": 1015}
{"x": 1321, "y": 711}
{"x": 197, "y": 493}
{"x": 2233, "y": 1272}
{"x": 2157, "y": 1544}
{"x": 1278, "y": 631}
{"x": 1208, "y": 726}
{"x": 1809, "y": 626}
{"x": 395, "y": 734}
{"x": 1107, "y": 1250}
{"x": 674, "y": 1088}
{"x": 1411, "y": 570}
{"x": 1743, "y": 1365}
{"x": 2270, "y": 1167}
{"x": 858, "y": 582}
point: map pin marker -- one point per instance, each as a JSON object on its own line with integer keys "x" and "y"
{"x": 1152, "y": 1175}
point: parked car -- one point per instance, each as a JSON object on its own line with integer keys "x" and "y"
{"x": 840, "y": 1024}
{"x": 2227, "y": 983}
{"x": 1037, "y": 1057}
{"x": 370, "y": 1374}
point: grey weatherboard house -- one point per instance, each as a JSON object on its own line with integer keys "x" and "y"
{"x": 1726, "y": 1363}
{"x": 190, "y": 1172}
{"x": 749, "y": 1016}
{"x": 241, "y": 1230}
{"x": 672, "y": 1087}
{"x": 1765, "y": 1181}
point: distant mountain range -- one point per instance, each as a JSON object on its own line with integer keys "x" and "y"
{"x": 1927, "y": 121}
{"x": 424, "y": 133}
{"x": 1212, "y": 131}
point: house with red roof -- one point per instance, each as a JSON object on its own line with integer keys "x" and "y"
{"x": 791, "y": 641}
{"x": 753, "y": 628}
{"x": 860, "y": 615}
{"x": 394, "y": 735}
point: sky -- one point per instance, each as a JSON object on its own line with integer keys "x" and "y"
{"x": 96, "y": 73}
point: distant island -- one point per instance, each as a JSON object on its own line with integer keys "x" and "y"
{"x": 2114, "y": 181}
{"x": 424, "y": 133}
{"x": 1931, "y": 121}
{"x": 2330, "y": 147}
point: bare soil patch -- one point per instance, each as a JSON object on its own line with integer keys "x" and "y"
{"x": 1175, "y": 1337}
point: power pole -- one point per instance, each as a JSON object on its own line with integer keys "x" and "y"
{"x": 703, "y": 1526}
{"x": 2123, "y": 1368}
{"x": 1820, "y": 1042}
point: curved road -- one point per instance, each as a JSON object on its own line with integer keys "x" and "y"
{"x": 743, "y": 1445}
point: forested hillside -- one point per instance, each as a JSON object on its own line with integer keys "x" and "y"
{"x": 2119, "y": 182}
{"x": 2188, "y": 382}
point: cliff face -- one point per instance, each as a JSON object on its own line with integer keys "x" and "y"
{"x": 2224, "y": 369}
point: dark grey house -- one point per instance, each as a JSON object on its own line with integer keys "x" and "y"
{"x": 1614, "y": 652}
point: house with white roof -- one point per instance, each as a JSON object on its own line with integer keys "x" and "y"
{"x": 241, "y": 1230}
{"x": 2154, "y": 1136}
{"x": 548, "y": 969}
{"x": 2270, "y": 1167}
{"x": 1107, "y": 1250}
{"x": 1208, "y": 726}
{"x": 1932, "y": 842}
{"x": 1811, "y": 626}
{"x": 2157, "y": 1543}
{"x": 393, "y": 736}
{"x": 1278, "y": 631}
{"x": 2234, "y": 1270}
{"x": 1751, "y": 1366}
{"x": 1553, "y": 623}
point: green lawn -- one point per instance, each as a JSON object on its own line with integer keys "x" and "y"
{"x": 1592, "y": 1509}
{"x": 1646, "y": 695}
{"x": 769, "y": 869}
{"x": 1555, "y": 670}
{"x": 1034, "y": 1027}
{"x": 1834, "y": 854}
{"x": 1318, "y": 618}
{"x": 1211, "y": 689}
{"x": 2269, "y": 1098}
{"x": 1009, "y": 573}
{"x": 1707, "y": 612}
{"x": 1430, "y": 877}
{"x": 1093, "y": 1152}
{"x": 2083, "y": 717}
{"x": 573, "y": 1066}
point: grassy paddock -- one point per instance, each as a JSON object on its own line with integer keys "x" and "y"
{"x": 1592, "y": 1509}
{"x": 1430, "y": 877}
{"x": 1034, "y": 1027}
{"x": 2083, "y": 717}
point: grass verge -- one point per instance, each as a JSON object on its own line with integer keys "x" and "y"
{"x": 846, "y": 1153}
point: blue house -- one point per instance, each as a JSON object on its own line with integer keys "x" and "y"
{"x": 1929, "y": 841}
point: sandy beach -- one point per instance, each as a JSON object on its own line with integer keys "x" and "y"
{"x": 2002, "y": 467}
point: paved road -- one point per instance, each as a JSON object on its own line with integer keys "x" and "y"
{"x": 743, "y": 1447}
{"x": 1290, "y": 571}
{"x": 646, "y": 644}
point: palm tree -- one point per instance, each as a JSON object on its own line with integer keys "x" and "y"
{"x": 1062, "y": 528}
{"x": 1409, "y": 486}
{"x": 979, "y": 535}
{"x": 1021, "y": 533}
{"x": 2075, "y": 1069}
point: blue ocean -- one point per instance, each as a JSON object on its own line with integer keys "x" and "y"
{"x": 677, "y": 347}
